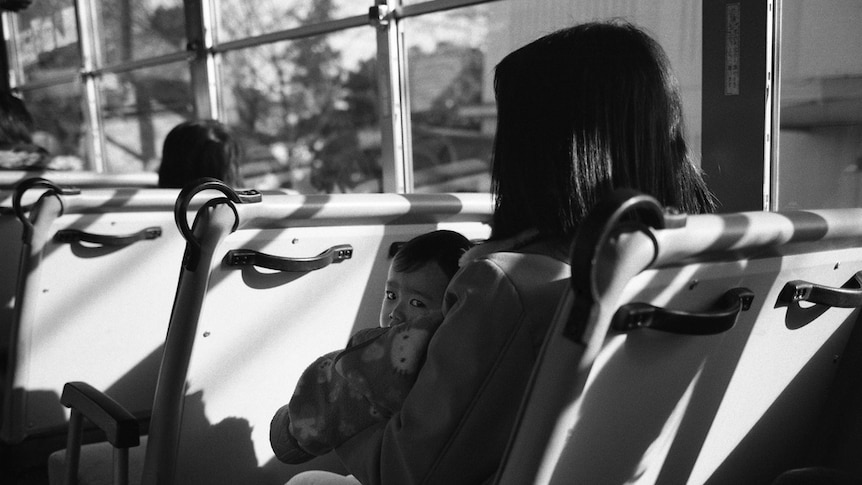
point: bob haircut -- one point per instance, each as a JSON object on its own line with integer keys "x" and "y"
{"x": 442, "y": 247}
{"x": 195, "y": 149}
{"x": 583, "y": 111}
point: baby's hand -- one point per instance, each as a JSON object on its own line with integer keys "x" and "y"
{"x": 285, "y": 446}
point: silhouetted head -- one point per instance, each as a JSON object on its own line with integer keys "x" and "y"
{"x": 583, "y": 111}
{"x": 195, "y": 149}
{"x": 16, "y": 124}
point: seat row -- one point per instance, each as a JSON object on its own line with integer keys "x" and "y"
{"x": 292, "y": 277}
{"x": 689, "y": 349}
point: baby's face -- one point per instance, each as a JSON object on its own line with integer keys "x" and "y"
{"x": 413, "y": 294}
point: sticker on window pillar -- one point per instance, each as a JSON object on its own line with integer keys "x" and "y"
{"x": 731, "y": 50}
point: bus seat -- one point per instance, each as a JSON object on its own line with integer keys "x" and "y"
{"x": 697, "y": 349}
{"x": 91, "y": 299}
{"x": 10, "y": 227}
{"x": 293, "y": 280}
{"x": 214, "y": 221}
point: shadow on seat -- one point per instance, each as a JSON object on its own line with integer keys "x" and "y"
{"x": 214, "y": 221}
{"x": 677, "y": 356}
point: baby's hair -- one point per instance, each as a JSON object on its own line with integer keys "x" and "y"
{"x": 442, "y": 247}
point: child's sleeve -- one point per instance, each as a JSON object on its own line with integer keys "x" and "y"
{"x": 314, "y": 383}
{"x": 283, "y": 443}
{"x": 383, "y": 368}
{"x": 323, "y": 410}
{"x": 343, "y": 393}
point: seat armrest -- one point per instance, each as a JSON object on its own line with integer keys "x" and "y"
{"x": 120, "y": 426}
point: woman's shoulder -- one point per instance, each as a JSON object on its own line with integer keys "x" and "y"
{"x": 524, "y": 261}
{"x": 526, "y": 245}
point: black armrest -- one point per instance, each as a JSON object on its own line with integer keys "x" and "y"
{"x": 119, "y": 425}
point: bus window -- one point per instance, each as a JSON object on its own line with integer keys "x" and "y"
{"x": 44, "y": 41}
{"x": 266, "y": 17}
{"x": 42, "y": 50}
{"x": 59, "y": 123}
{"x": 451, "y": 56}
{"x": 306, "y": 112}
{"x": 820, "y": 139}
{"x": 130, "y": 30}
{"x": 300, "y": 81}
{"x": 138, "y": 109}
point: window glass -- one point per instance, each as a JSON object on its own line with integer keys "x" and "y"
{"x": 267, "y": 16}
{"x": 451, "y": 98}
{"x": 59, "y": 125}
{"x": 46, "y": 36}
{"x": 306, "y": 112}
{"x": 138, "y": 29}
{"x": 820, "y": 137}
{"x": 451, "y": 59}
{"x": 138, "y": 109}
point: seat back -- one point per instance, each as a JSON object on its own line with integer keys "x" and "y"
{"x": 97, "y": 276}
{"x": 10, "y": 226}
{"x": 734, "y": 389}
{"x": 294, "y": 278}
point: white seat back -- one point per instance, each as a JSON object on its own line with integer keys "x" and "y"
{"x": 88, "y": 311}
{"x": 738, "y": 406}
{"x": 259, "y": 328}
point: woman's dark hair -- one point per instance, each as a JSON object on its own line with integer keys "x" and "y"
{"x": 442, "y": 247}
{"x": 195, "y": 149}
{"x": 583, "y": 111}
{"x": 16, "y": 124}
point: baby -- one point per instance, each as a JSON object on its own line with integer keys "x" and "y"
{"x": 344, "y": 392}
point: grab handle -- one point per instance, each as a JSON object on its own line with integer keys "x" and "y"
{"x": 208, "y": 183}
{"x": 75, "y": 235}
{"x": 643, "y": 315}
{"x": 799, "y": 290}
{"x": 249, "y": 257}
{"x": 181, "y": 207}
{"x": 28, "y": 184}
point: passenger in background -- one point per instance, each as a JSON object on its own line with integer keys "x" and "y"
{"x": 14, "y": 5}
{"x": 580, "y": 112}
{"x": 17, "y": 150}
{"x": 196, "y": 149}
{"x": 344, "y": 392}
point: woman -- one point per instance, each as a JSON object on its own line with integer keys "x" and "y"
{"x": 17, "y": 150}
{"x": 581, "y": 112}
{"x": 195, "y": 149}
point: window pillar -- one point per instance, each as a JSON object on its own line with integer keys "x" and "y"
{"x": 394, "y": 105}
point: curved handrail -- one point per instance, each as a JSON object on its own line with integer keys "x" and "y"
{"x": 594, "y": 231}
{"x": 212, "y": 224}
{"x": 249, "y": 257}
{"x": 193, "y": 246}
{"x": 25, "y": 185}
